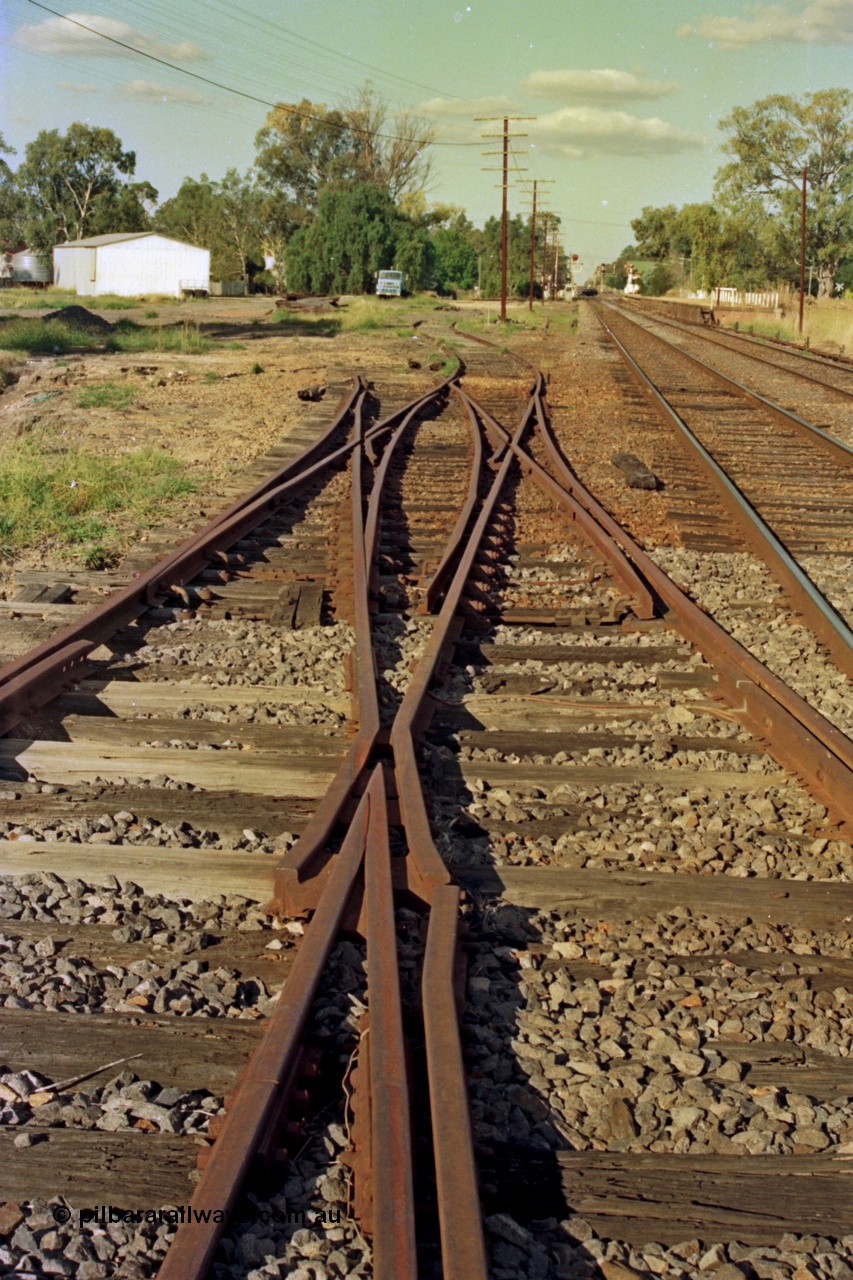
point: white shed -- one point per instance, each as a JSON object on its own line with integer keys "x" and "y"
{"x": 131, "y": 263}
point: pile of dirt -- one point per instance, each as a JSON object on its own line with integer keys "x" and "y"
{"x": 80, "y": 318}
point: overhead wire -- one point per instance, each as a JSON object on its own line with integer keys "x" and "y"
{"x": 208, "y": 80}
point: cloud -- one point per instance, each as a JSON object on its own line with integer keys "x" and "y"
{"x": 466, "y": 108}
{"x": 59, "y": 36}
{"x": 147, "y": 91}
{"x": 604, "y": 85}
{"x": 821, "y": 22}
{"x": 74, "y": 87}
{"x": 591, "y": 131}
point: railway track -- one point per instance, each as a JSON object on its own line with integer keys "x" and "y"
{"x": 554, "y": 764}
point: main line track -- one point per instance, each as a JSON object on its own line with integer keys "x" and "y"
{"x": 540, "y": 718}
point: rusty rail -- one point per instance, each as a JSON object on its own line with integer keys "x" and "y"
{"x": 819, "y": 614}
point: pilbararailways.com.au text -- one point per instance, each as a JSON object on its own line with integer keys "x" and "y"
{"x": 176, "y": 1215}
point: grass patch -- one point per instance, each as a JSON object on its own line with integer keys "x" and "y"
{"x": 54, "y": 337}
{"x": 151, "y": 315}
{"x": 81, "y": 501}
{"x": 257, "y": 368}
{"x": 108, "y": 303}
{"x": 210, "y": 376}
{"x": 185, "y": 337}
{"x": 236, "y": 346}
{"x": 106, "y": 395}
{"x": 43, "y": 336}
{"x": 41, "y": 300}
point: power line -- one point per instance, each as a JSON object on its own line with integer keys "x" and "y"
{"x": 217, "y": 84}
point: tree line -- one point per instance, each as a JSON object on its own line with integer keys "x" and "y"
{"x": 336, "y": 194}
{"x": 333, "y": 197}
{"x": 748, "y": 236}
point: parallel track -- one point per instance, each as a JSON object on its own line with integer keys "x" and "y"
{"x": 459, "y": 525}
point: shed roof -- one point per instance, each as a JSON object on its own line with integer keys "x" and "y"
{"x": 92, "y": 242}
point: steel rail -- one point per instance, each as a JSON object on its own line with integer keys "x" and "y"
{"x": 296, "y": 879}
{"x": 22, "y": 689}
{"x": 799, "y": 737}
{"x": 819, "y": 614}
{"x": 393, "y": 1212}
{"x": 463, "y": 1246}
{"x": 121, "y": 606}
{"x": 824, "y": 359}
{"x": 618, "y": 563}
{"x": 716, "y": 340}
{"x": 840, "y": 451}
{"x": 460, "y": 1215}
{"x": 255, "y": 1106}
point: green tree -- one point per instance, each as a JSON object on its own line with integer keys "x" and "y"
{"x": 352, "y": 237}
{"x": 79, "y": 185}
{"x": 655, "y": 229}
{"x": 300, "y": 149}
{"x": 614, "y": 272}
{"x": 455, "y": 259}
{"x": 11, "y": 204}
{"x": 657, "y": 280}
{"x": 225, "y": 217}
{"x": 771, "y": 143}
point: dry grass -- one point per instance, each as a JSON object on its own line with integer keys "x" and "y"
{"x": 827, "y": 325}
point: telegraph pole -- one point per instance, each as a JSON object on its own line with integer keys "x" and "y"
{"x": 544, "y": 255}
{"x": 803, "y": 250}
{"x": 505, "y": 135}
{"x": 537, "y": 182}
{"x": 532, "y": 246}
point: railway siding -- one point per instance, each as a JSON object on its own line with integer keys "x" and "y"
{"x": 654, "y": 855}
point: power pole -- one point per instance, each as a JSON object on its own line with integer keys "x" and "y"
{"x": 544, "y": 255}
{"x": 537, "y": 205}
{"x": 532, "y": 246}
{"x": 803, "y": 251}
{"x": 554, "y": 266}
{"x": 505, "y": 135}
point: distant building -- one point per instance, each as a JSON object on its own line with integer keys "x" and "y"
{"x": 130, "y": 263}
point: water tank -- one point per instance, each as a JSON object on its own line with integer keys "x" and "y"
{"x": 33, "y": 267}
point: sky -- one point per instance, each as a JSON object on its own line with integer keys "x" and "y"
{"x": 626, "y": 96}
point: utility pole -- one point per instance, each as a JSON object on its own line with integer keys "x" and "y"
{"x": 555, "y": 266}
{"x": 544, "y": 256}
{"x": 505, "y": 136}
{"x": 532, "y": 246}
{"x": 803, "y": 251}
{"x": 537, "y": 205}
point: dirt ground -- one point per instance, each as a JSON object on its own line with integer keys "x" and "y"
{"x": 216, "y": 413}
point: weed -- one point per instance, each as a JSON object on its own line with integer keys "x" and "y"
{"x": 185, "y": 337}
{"x": 151, "y": 315}
{"x": 58, "y": 338}
{"x": 43, "y": 336}
{"x": 236, "y": 346}
{"x": 67, "y": 496}
{"x": 106, "y": 395}
{"x": 256, "y": 368}
{"x": 100, "y": 557}
{"x": 210, "y": 376}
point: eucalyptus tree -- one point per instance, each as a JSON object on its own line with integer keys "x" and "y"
{"x": 771, "y": 144}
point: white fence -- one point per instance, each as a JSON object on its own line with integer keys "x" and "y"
{"x": 739, "y": 298}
